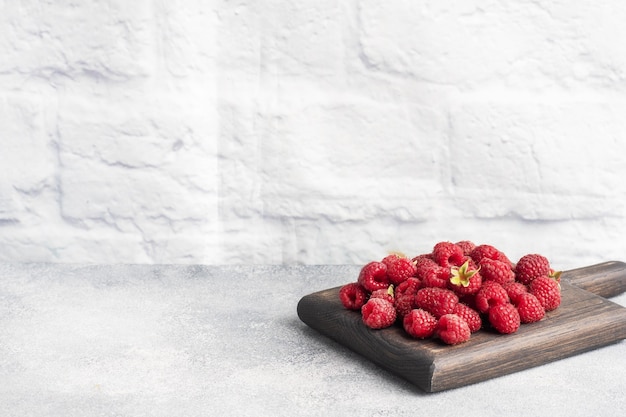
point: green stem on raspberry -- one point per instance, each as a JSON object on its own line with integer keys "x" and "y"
{"x": 461, "y": 275}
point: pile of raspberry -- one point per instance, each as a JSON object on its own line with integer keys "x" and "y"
{"x": 454, "y": 291}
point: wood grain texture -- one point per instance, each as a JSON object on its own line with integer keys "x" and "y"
{"x": 607, "y": 279}
{"x": 583, "y": 322}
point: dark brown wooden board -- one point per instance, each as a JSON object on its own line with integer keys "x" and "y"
{"x": 584, "y": 321}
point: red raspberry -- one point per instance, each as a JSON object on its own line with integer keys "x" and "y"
{"x": 352, "y": 296}
{"x": 408, "y": 287}
{"x": 530, "y": 267}
{"x": 438, "y": 277}
{"x": 466, "y": 279}
{"x": 467, "y": 246}
{"x": 529, "y": 308}
{"x": 498, "y": 271}
{"x": 515, "y": 290}
{"x": 471, "y": 316}
{"x": 489, "y": 252}
{"x": 384, "y": 294}
{"x": 399, "y": 268}
{"x": 373, "y": 276}
{"x": 404, "y": 304}
{"x": 447, "y": 254}
{"x": 547, "y": 291}
{"x": 424, "y": 256}
{"x": 419, "y": 323}
{"x": 378, "y": 313}
{"x": 437, "y": 301}
{"x": 405, "y": 296}
{"x": 504, "y": 318}
{"x": 424, "y": 265}
{"x": 490, "y": 295}
{"x": 452, "y": 329}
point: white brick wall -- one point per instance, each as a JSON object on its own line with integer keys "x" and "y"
{"x": 317, "y": 131}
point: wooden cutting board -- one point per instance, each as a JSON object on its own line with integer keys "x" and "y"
{"x": 584, "y": 321}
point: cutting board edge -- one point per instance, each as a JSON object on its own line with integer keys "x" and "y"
{"x": 422, "y": 378}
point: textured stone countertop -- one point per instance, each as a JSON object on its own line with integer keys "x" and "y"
{"x": 176, "y": 340}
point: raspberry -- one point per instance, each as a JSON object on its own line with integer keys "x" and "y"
{"x": 498, "y": 271}
{"x": 471, "y": 316}
{"x": 392, "y": 257}
{"x": 483, "y": 251}
{"x": 489, "y": 252}
{"x": 515, "y": 290}
{"x": 405, "y": 296}
{"x": 452, "y": 329}
{"x": 404, "y": 305}
{"x": 467, "y": 246}
{"x": 490, "y": 295}
{"x": 419, "y": 323}
{"x": 399, "y": 268}
{"x": 423, "y": 257}
{"x": 437, "y": 301}
{"x": 373, "y": 276}
{"x": 410, "y": 286}
{"x": 504, "y": 318}
{"x": 466, "y": 279}
{"x": 384, "y": 294}
{"x": 448, "y": 254}
{"x": 547, "y": 291}
{"x": 378, "y": 313}
{"x": 424, "y": 265}
{"x": 529, "y": 308}
{"x": 530, "y": 267}
{"x": 437, "y": 277}
{"x": 352, "y": 296}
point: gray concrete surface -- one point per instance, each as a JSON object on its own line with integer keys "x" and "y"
{"x": 174, "y": 340}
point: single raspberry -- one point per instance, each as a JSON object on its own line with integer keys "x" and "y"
{"x": 424, "y": 256}
{"x": 515, "y": 290}
{"x": 490, "y": 295}
{"x": 373, "y": 276}
{"x": 471, "y": 316}
{"x": 438, "y": 277}
{"x": 529, "y": 308}
{"x": 504, "y": 318}
{"x": 410, "y": 286}
{"x": 399, "y": 268}
{"x": 405, "y": 293}
{"x": 452, "y": 329}
{"x": 419, "y": 323}
{"x": 424, "y": 265}
{"x": 498, "y": 271}
{"x": 387, "y": 294}
{"x": 547, "y": 291}
{"x": 437, "y": 301}
{"x": 467, "y": 246}
{"x": 530, "y": 267}
{"x": 447, "y": 254}
{"x": 378, "y": 313}
{"x": 489, "y": 252}
{"x": 465, "y": 279}
{"x": 353, "y": 296}
{"x": 404, "y": 305}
